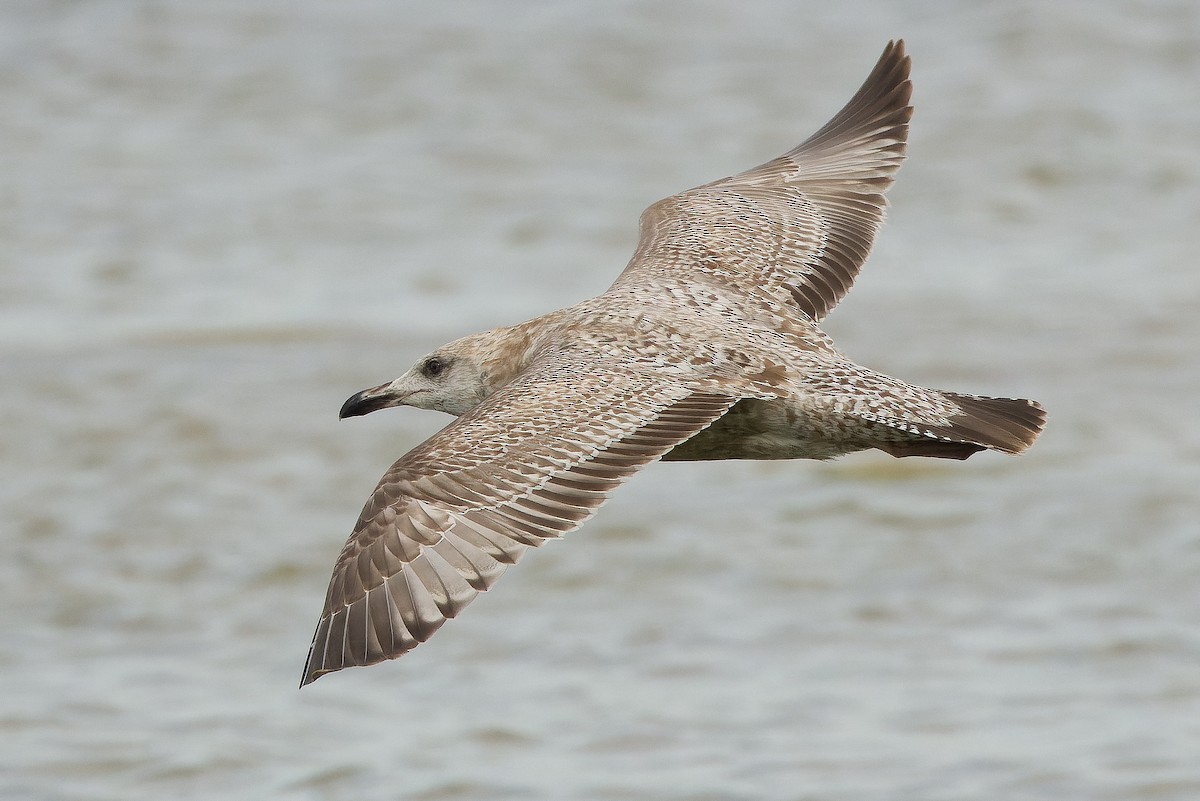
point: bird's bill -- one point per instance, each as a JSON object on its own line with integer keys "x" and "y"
{"x": 371, "y": 400}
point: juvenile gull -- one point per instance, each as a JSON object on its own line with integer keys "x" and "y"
{"x": 706, "y": 347}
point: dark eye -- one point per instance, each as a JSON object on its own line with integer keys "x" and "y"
{"x": 433, "y": 367}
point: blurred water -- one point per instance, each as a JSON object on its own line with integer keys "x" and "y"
{"x": 218, "y": 220}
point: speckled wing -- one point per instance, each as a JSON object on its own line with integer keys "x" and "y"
{"x": 530, "y": 463}
{"x": 796, "y": 230}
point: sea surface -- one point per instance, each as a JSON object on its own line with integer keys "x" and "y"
{"x": 218, "y": 220}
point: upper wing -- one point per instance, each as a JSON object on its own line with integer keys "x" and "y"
{"x": 530, "y": 463}
{"x": 799, "y": 227}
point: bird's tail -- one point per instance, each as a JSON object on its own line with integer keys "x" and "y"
{"x": 1004, "y": 424}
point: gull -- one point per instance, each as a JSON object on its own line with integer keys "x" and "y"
{"x": 705, "y": 347}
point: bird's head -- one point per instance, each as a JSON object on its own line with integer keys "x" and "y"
{"x": 455, "y": 378}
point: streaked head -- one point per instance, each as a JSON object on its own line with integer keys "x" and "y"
{"x": 455, "y": 378}
{"x": 448, "y": 380}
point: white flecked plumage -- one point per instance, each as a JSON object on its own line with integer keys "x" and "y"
{"x": 705, "y": 347}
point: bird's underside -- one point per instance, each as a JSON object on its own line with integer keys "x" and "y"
{"x": 774, "y": 429}
{"x": 706, "y": 347}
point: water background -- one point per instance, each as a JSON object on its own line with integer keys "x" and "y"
{"x": 218, "y": 220}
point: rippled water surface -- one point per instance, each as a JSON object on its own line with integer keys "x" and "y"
{"x": 220, "y": 219}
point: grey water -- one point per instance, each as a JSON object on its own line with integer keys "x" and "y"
{"x": 218, "y": 220}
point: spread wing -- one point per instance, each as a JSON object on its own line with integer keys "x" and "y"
{"x": 530, "y": 463}
{"x": 798, "y": 228}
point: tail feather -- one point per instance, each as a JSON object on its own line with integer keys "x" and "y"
{"x": 1004, "y": 424}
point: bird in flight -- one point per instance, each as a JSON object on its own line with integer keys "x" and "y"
{"x": 706, "y": 347}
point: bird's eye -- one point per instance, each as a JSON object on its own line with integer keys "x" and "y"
{"x": 433, "y": 367}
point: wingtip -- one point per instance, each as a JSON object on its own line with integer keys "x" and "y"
{"x": 894, "y": 51}
{"x": 310, "y": 674}
{"x": 316, "y": 664}
{"x": 896, "y": 63}
{"x": 880, "y": 110}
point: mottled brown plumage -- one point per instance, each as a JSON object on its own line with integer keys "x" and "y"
{"x": 706, "y": 347}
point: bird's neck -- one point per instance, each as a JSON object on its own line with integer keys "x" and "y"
{"x": 508, "y": 351}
